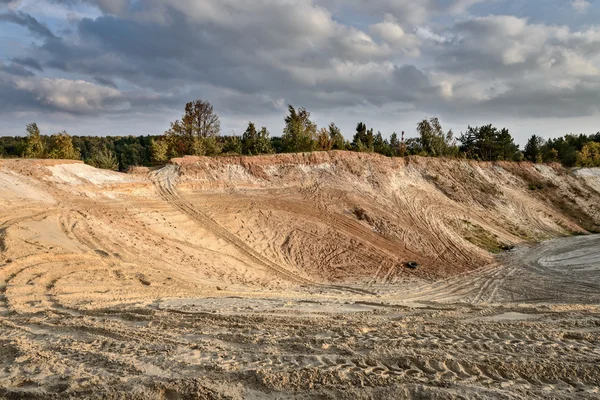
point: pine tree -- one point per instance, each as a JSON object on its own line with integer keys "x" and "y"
{"x": 370, "y": 142}
{"x": 432, "y": 139}
{"x": 249, "y": 140}
{"x": 395, "y": 145}
{"x": 104, "y": 159}
{"x": 360, "y": 138}
{"x": 533, "y": 147}
{"x": 382, "y": 146}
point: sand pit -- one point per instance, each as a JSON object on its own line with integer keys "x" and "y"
{"x": 286, "y": 277}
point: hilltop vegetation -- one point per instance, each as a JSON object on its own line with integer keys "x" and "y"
{"x": 198, "y": 133}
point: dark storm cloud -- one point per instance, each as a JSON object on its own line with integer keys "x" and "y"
{"x": 27, "y": 21}
{"x": 15, "y": 69}
{"x": 28, "y": 62}
{"x": 105, "y": 82}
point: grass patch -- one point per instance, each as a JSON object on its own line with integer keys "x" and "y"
{"x": 483, "y": 239}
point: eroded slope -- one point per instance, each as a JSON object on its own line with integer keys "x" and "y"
{"x": 344, "y": 218}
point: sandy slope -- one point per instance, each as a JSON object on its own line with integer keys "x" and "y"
{"x": 265, "y": 276}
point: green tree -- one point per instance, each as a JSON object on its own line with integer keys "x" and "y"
{"x": 249, "y": 139}
{"x": 196, "y": 132}
{"x": 533, "y": 149}
{"x": 396, "y": 146}
{"x": 211, "y": 146}
{"x": 336, "y": 137}
{"x": 263, "y": 142}
{"x": 468, "y": 142}
{"x": 104, "y": 159}
{"x": 360, "y": 141}
{"x": 256, "y": 142}
{"x": 589, "y": 156}
{"x": 34, "y": 144}
{"x": 487, "y": 143}
{"x": 324, "y": 142}
{"x": 370, "y": 142}
{"x": 433, "y": 141}
{"x": 552, "y": 156}
{"x": 233, "y": 145}
{"x": 300, "y": 132}
{"x": 505, "y": 145}
{"x": 382, "y": 146}
{"x": 61, "y": 147}
{"x": 518, "y": 156}
{"x": 159, "y": 151}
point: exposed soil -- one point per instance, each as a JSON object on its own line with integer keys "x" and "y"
{"x": 286, "y": 277}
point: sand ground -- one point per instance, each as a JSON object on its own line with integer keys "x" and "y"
{"x": 208, "y": 281}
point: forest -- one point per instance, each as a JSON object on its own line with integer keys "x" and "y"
{"x": 198, "y": 132}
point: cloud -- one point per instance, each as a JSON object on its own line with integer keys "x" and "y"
{"x": 407, "y": 12}
{"x": 76, "y": 96}
{"x": 28, "y": 62}
{"x": 581, "y": 6}
{"x": 393, "y": 34}
{"x": 15, "y": 69}
{"x": 504, "y": 65}
{"x": 27, "y": 21}
{"x": 105, "y": 82}
{"x": 253, "y": 58}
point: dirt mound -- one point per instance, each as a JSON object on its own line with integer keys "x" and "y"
{"x": 288, "y": 273}
{"x": 340, "y": 216}
{"x": 308, "y": 218}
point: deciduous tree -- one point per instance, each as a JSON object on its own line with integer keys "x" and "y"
{"x": 300, "y": 132}
{"x": 61, "y": 147}
{"x": 34, "y": 145}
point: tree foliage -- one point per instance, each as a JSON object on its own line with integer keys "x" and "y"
{"x": 433, "y": 141}
{"x": 232, "y": 145}
{"x": 256, "y": 142}
{"x": 589, "y": 156}
{"x": 159, "y": 150}
{"x": 363, "y": 140}
{"x": 61, "y": 147}
{"x": 324, "y": 142}
{"x": 196, "y": 132}
{"x": 105, "y": 159}
{"x": 533, "y": 149}
{"x": 488, "y": 143}
{"x": 34, "y": 144}
{"x": 300, "y": 132}
{"x": 335, "y": 136}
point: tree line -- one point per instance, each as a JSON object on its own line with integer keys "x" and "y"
{"x": 198, "y": 132}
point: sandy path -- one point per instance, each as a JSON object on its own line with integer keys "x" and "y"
{"x": 278, "y": 345}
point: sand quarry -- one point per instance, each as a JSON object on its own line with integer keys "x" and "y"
{"x": 286, "y": 276}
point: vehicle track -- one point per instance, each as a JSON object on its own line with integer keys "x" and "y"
{"x": 164, "y": 181}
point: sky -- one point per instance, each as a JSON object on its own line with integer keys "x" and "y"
{"x": 127, "y": 67}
